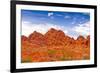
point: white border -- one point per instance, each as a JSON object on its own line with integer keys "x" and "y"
{"x": 20, "y": 65}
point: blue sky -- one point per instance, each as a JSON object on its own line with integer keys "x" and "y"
{"x": 72, "y": 23}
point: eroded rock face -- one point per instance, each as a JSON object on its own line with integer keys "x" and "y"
{"x": 57, "y": 37}
{"x": 88, "y": 41}
{"x": 81, "y": 41}
{"x": 54, "y": 46}
{"x": 24, "y": 38}
{"x": 24, "y": 42}
{"x": 37, "y": 38}
{"x": 54, "y": 37}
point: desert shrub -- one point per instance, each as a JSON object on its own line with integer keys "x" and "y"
{"x": 28, "y": 59}
{"x": 51, "y": 52}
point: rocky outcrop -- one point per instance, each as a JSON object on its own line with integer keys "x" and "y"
{"x": 54, "y": 46}
{"x": 37, "y": 38}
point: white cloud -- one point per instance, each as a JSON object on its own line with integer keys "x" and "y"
{"x": 59, "y": 15}
{"x": 28, "y": 28}
{"x": 26, "y": 22}
{"x": 50, "y": 14}
{"x": 67, "y": 17}
{"x": 82, "y": 29}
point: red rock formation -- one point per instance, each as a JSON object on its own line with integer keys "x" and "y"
{"x": 88, "y": 41}
{"x": 24, "y": 42}
{"x": 56, "y": 37}
{"x": 51, "y": 37}
{"x": 25, "y": 49}
{"x": 37, "y": 38}
{"x": 54, "y": 46}
{"x": 81, "y": 41}
{"x": 24, "y": 38}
